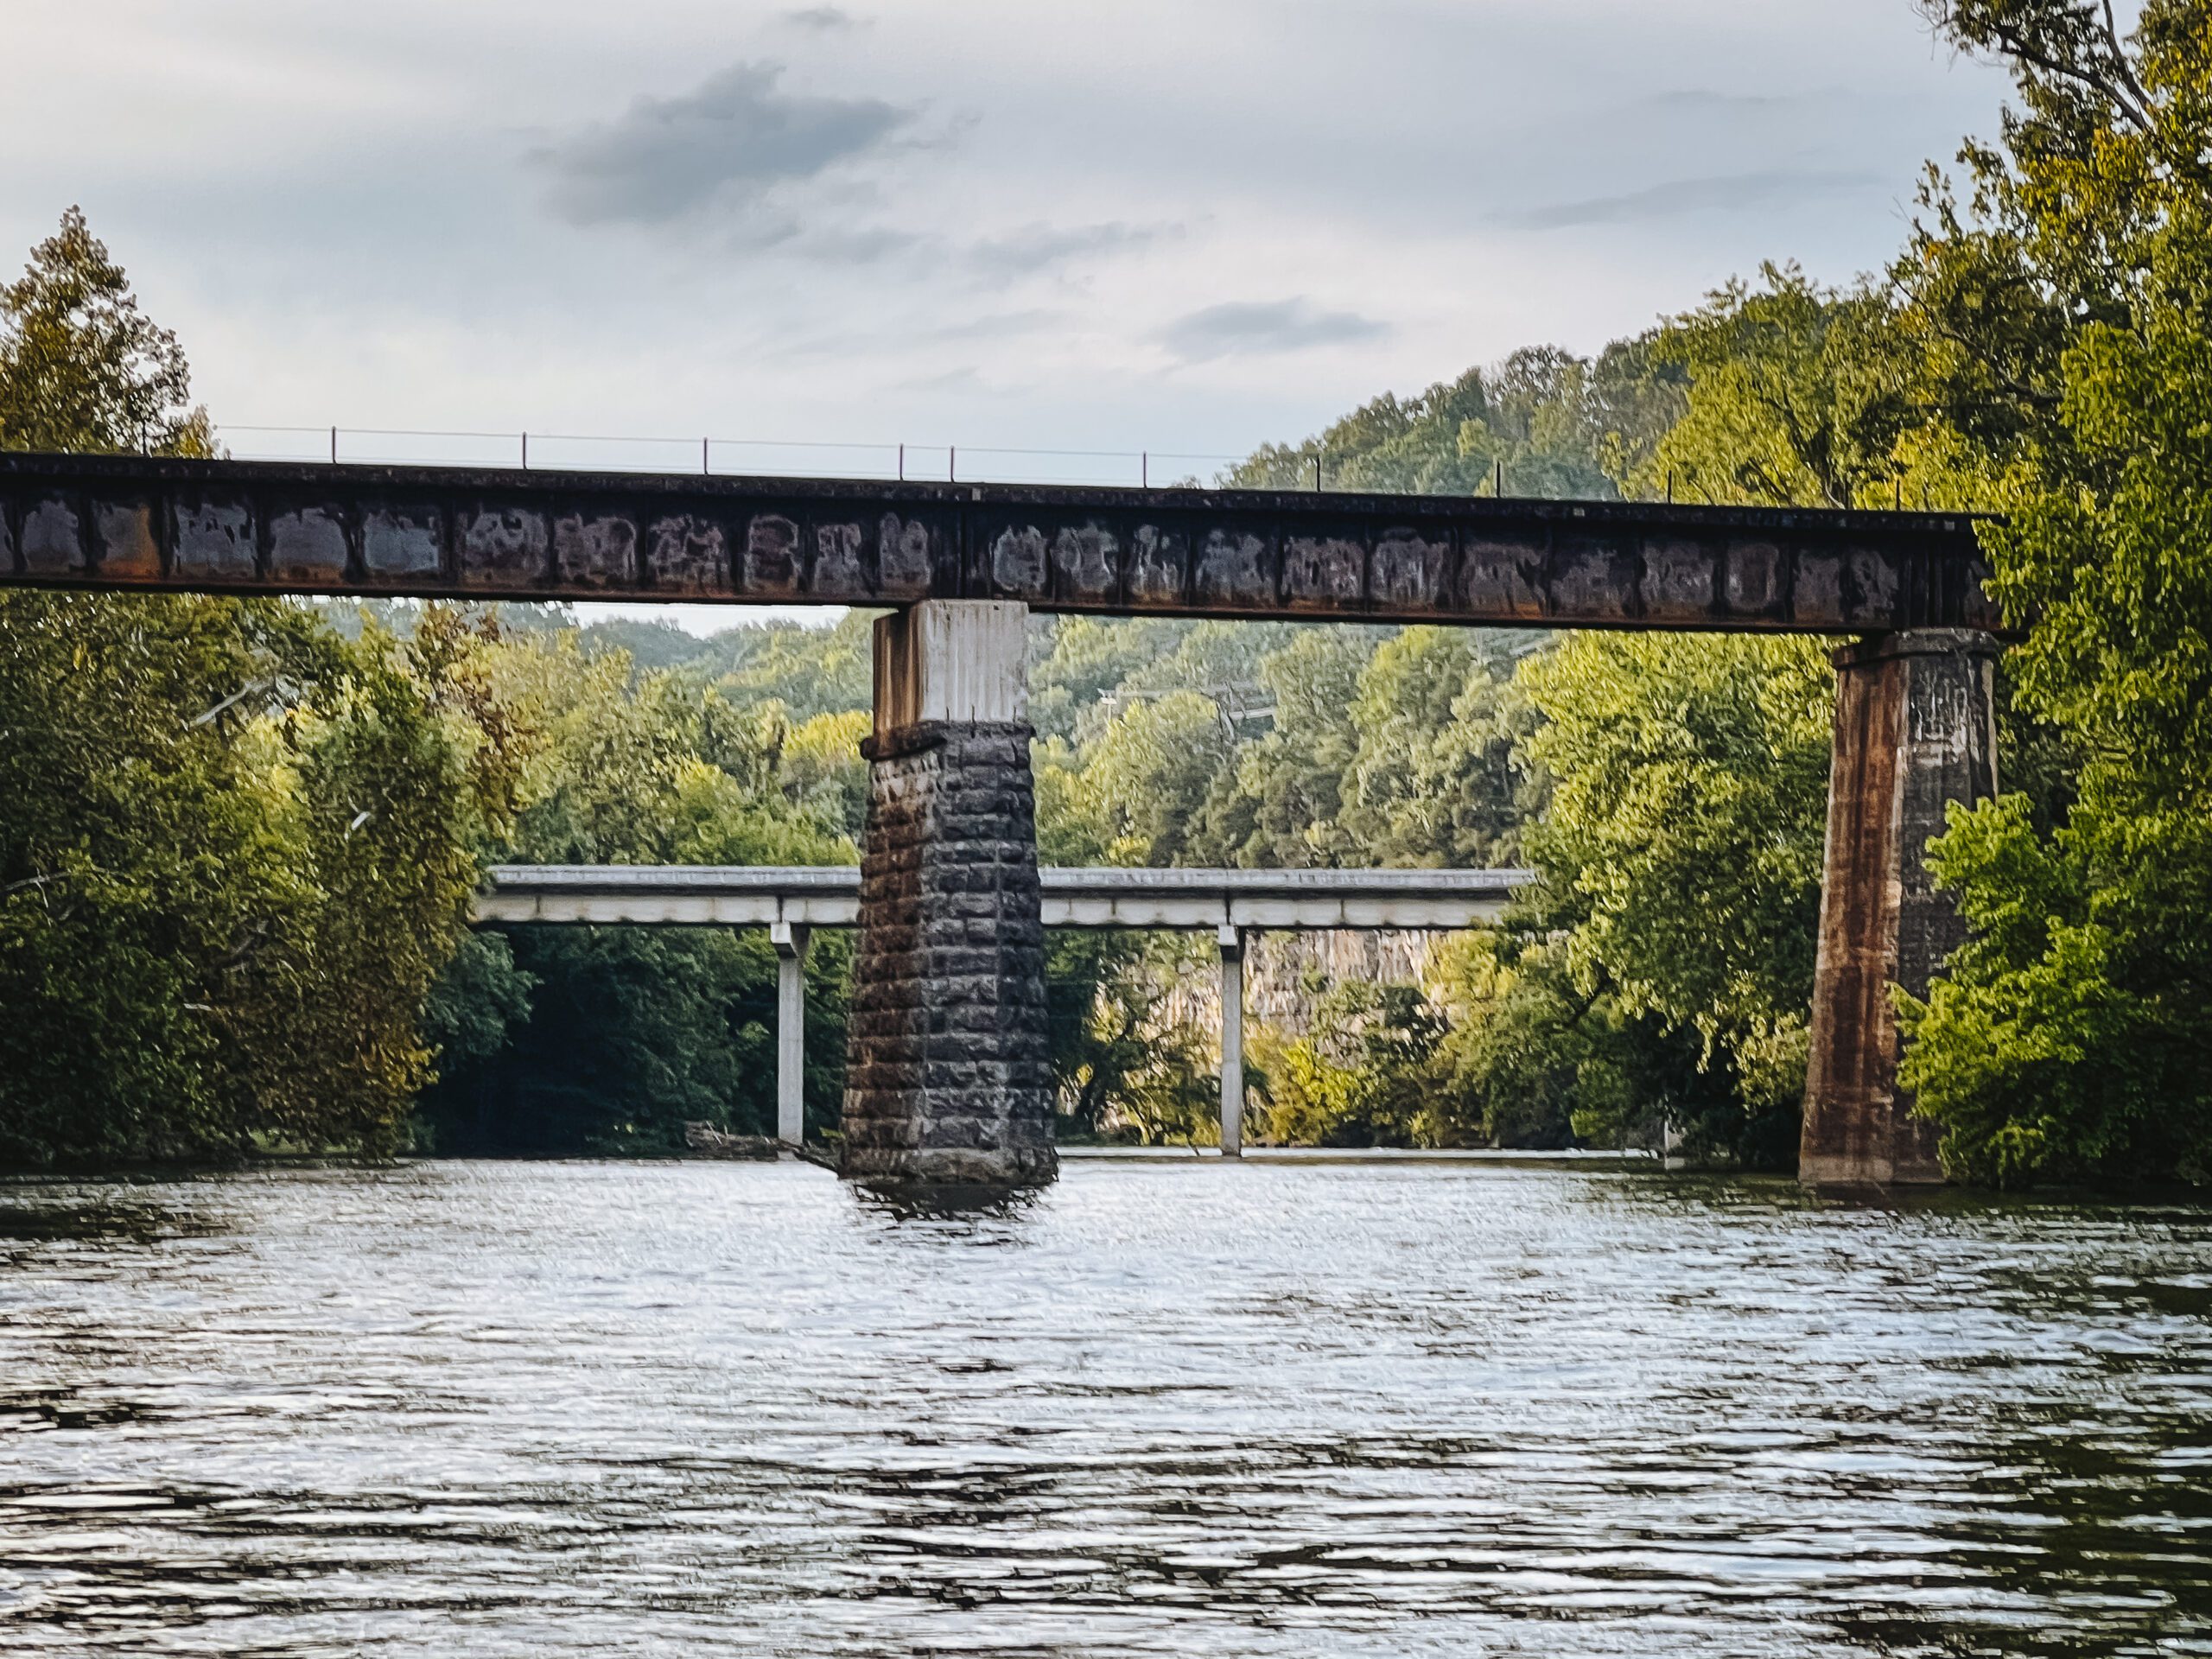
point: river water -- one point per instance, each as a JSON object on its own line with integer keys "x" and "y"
{"x": 464, "y": 1409}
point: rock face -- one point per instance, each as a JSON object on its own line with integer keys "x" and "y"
{"x": 1283, "y": 967}
{"x": 1915, "y": 730}
{"x": 948, "y": 1080}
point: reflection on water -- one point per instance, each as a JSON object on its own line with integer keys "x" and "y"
{"x": 493, "y": 1409}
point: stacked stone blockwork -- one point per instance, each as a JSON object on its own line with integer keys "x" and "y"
{"x": 1915, "y": 730}
{"x": 948, "y": 1080}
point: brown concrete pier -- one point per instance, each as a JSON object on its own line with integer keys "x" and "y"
{"x": 1915, "y": 730}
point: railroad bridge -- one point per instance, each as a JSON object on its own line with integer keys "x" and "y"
{"x": 947, "y": 1079}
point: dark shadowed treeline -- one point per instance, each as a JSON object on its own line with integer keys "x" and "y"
{"x": 607, "y": 1040}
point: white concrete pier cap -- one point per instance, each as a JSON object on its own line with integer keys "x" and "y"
{"x": 955, "y": 660}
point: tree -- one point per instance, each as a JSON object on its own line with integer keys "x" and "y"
{"x": 80, "y": 366}
{"x": 235, "y": 857}
{"x": 1150, "y": 770}
{"x": 135, "y": 869}
{"x": 1544, "y": 1053}
{"x": 599, "y": 1040}
{"x": 810, "y": 670}
{"x": 1552, "y": 423}
{"x": 1795, "y": 396}
{"x": 1085, "y": 658}
{"x": 1367, "y": 1073}
{"x": 1681, "y": 853}
{"x": 237, "y": 846}
{"x": 1122, "y": 1058}
{"x": 1279, "y": 803}
{"x": 2069, "y": 1040}
{"x": 1431, "y": 779}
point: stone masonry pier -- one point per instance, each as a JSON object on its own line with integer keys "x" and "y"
{"x": 947, "y": 1079}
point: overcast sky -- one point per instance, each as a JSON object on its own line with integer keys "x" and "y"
{"x": 1186, "y": 227}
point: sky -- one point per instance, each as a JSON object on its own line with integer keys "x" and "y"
{"x": 1184, "y": 228}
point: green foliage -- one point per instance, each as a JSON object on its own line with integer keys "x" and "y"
{"x": 1149, "y": 770}
{"x": 1368, "y": 1071}
{"x": 81, "y": 368}
{"x": 2058, "y": 1048}
{"x": 237, "y": 848}
{"x": 481, "y": 1000}
{"x": 1539, "y": 1059}
{"x": 1087, "y": 659}
{"x": 1431, "y": 779}
{"x": 1174, "y": 1099}
{"x": 821, "y": 771}
{"x": 1797, "y": 396}
{"x": 1279, "y": 804}
{"x": 1689, "y": 796}
{"x": 1123, "y": 1063}
{"x": 1664, "y": 965}
{"x": 1249, "y": 745}
{"x": 1556, "y": 425}
{"x": 605, "y": 1040}
{"x": 629, "y": 1034}
{"x": 2069, "y": 1039}
{"x": 810, "y": 670}
{"x": 134, "y": 860}
{"x": 237, "y": 855}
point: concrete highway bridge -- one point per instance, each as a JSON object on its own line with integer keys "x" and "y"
{"x": 792, "y": 902}
{"x": 947, "y": 1079}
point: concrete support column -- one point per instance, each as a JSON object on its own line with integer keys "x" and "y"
{"x": 1915, "y": 730}
{"x": 948, "y": 1082}
{"x": 790, "y": 943}
{"x": 1231, "y": 943}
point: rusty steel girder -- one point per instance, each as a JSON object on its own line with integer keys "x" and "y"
{"x": 121, "y": 522}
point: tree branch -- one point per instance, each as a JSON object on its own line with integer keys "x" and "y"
{"x": 2119, "y": 58}
{"x": 2011, "y": 42}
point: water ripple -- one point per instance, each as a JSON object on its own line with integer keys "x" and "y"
{"x": 486, "y": 1409}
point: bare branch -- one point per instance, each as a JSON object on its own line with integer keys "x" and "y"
{"x": 2011, "y": 42}
{"x": 2119, "y": 58}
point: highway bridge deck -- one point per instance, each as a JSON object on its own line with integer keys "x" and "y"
{"x": 767, "y": 896}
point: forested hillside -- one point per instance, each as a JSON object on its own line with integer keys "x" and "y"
{"x": 239, "y": 835}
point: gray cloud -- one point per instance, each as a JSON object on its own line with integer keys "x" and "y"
{"x": 726, "y": 144}
{"x": 1727, "y": 193}
{"x": 956, "y": 382}
{"x": 865, "y": 245}
{"x": 1703, "y": 98}
{"x": 1002, "y": 325}
{"x": 1249, "y": 326}
{"x": 1036, "y": 247}
{"x": 823, "y": 20}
